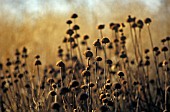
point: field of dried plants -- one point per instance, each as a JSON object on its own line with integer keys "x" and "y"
{"x": 100, "y": 76}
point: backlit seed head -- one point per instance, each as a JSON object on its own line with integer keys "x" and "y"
{"x": 129, "y": 19}
{"x": 88, "y": 54}
{"x": 86, "y": 73}
{"x": 69, "y": 22}
{"x": 120, "y": 73}
{"x": 55, "y": 106}
{"x": 148, "y": 21}
{"x": 74, "y": 16}
{"x": 52, "y": 93}
{"x": 117, "y": 85}
{"x": 76, "y": 27}
{"x": 70, "y": 32}
{"x": 105, "y": 40}
{"x": 64, "y": 90}
{"x": 97, "y": 43}
{"x": 98, "y": 58}
{"x": 146, "y": 51}
{"x": 76, "y": 35}
{"x": 109, "y": 62}
{"x": 91, "y": 84}
{"x": 100, "y": 27}
{"x": 83, "y": 96}
{"x": 60, "y": 64}
{"x": 50, "y": 81}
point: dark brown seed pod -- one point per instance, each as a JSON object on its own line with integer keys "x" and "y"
{"x": 146, "y": 51}
{"x": 76, "y": 27}
{"x": 140, "y": 24}
{"x": 148, "y": 21}
{"x": 109, "y": 62}
{"x": 69, "y": 22}
{"x": 77, "y": 36}
{"x": 134, "y": 25}
{"x": 111, "y": 25}
{"x": 83, "y": 96}
{"x": 85, "y": 37}
{"x": 120, "y": 74}
{"x": 52, "y": 93}
{"x": 91, "y": 84}
{"x": 74, "y": 16}
{"x": 105, "y": 40}
{"x": 74, "y": 83}
{"x": 86, "y": 73}
{"x": 110, "y": 46}
{"x": 98, "y": 58}
{"x": 55, "y": 106}
{"x": 65, "y": 40}
{"x": 117, "y": 85}
{"x": 100, "y": 27}
{"x": 64, "y": 90}
{"x": 54, "y": 86}
{"x": 135, "y": 83}
{"x": 20, "y": 76}
{"x": 108, "y": 86}
{"x": 123, "y": 38}
{"x": 155, "y": 49}
{"x": 165, "y": 49}
{"x": 37, "y": 56}
{"x": 60, "y": 64}
{"x": 88, "y": 54}
{"x": 37, "y": 62}
{"x": 167, "y": 38}
{"x": 104, "y": 100}
{"x": 163, "y": 41}
{"x": 50, "y": 81}
{"x": 97, "y": 43}
{"x": 84, "y": 87}
{"x": 129, "y": 19}
{"x": 70, "y": 32}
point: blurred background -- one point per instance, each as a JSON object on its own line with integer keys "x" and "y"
{"x": 40, "y": 25}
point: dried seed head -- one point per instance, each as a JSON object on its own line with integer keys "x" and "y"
{"x": 110, "y": 46}
{"x": 74, "y": 16}
{"x": 83, "y": 96}
{"x": 129, "y": 19}
{"x": 88, "y": 54}
{"x": 85, "y": 37}
{"x": 167, "y": 38}
{"x": 105, "y": 40}
{"x": 76, "y": 27}
{"x": 165, "y": 49}
{"x": 102, "y": 96}
{"x": 55, "y": 106}
{"x": 120, "y": 74}
{"x": 148, "y": 21}
{"x": 108, "y": 86}
{"x": 86, "y": 73}
{"x": 76, "y": 35}
{"x": 111, "y": 25}
{"x": 109, "y": 62}
{"x": 52, "y": 93}
{"x": 65, "y": 40}
{"x": 64, "y": 90}
{"x": 100, "y": 27}
{"x": 70, "y": 32}
{"x": 60, "y": 64}
{"x": 84, "y": 87}
{"x": 134, "y": 25}
{"x": 140, "y": 24}
{"x": 97, "y": 43}
{"x": 155, "y": 49}
{"x": 146, "y": 51}
{"x": 69, "y": 22}
{"x": 91, "y": 84}
{"x": 54, "y": 86}
{"x": 74, "y": 83}
{"x": 98, "y": 58}
{"x": 50, "y": 81}
{"x": 117, "y": 85}
{"x": 37, "y": 62}
{"x": 20, "y": 76}
{"x": 37, "y": 56}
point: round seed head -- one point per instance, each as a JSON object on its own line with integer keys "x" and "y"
{"x": 102, "y": 96}
{"x": 105, "y": 40}
{"x": 60, "y": 64}
{"x": 108, "y": 86}
{"x": 76, "y": 35}
{"x": 85, "y": 37}
{"x": 110, "y": 46}
{"x": 155, "y": 49}
{"x": 148, "y": 21}
{"x": 37, "y": 57}
{"x": 88, "y": 54}
{"x": 24, "y": 50}
{"x": 83, "y": 96}
{"x": 71, "y": 39}
{"x": 86, "y": 73}
{"x": 100, "y": 27}
{"x": 91, "y": 84}
{"x": 97, "y": 43}
{"x": 64, "y": 90}
{"x": 123, "y": 38}
{"x": 76, "y": 27}
{"x": 129, "y": 19}
{"x": 109, "y": 62}
{"x": 74, "y": 16}
{"x": 165, "y": 49}
{"x": 50, "y": 81}
{"x": 120, "y": 74}
{"x": 140, "y": 24}
{"x": 52, "y": 93}
{"x": 111, "y": 25}
{"x": 70, "y": 32}
{"x": 55, "y": 106}
{"x": 134, "y": 25}
{"x": 146, "y": 51}
{"x": 37, "y": 62}
{"x": 20, "y": 76}
{"x": 69, "y": 22}
{"x": 117, "y": 85}
{"x": 65, "y": 40}
{"x": 98, "y": 58}
{"x": 54, "y": 86}
{"x": 74, "y": 83}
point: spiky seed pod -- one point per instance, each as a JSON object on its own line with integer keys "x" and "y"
{"x": 70, "y": 32}
{"x": 105, "y": 40}
{"x": 69, "y": 22}
{"x": 97, "y": 43}
{"x": 37, "y": 62}
{"x": 98, "y": 58}
{"x": 86, "y": 73}
{"x": 74, "y": 16}
{"x": 165, "y": 49}
{"x": 60, "y": 64}
{"x": 74, "y": 83}
{"x": 52, "y": 93}
{"x": 100, "y": 27}
{"x": 64, "y": 90}
{"x": 55, "y": 106}
{"x": 117, "y": 85}
{"x": 148, "y": 21}
{"x": 120, "y": 74}
{"x": 76, "y": 27}
{"x": 83, "y": 96}
{"x": 88, "y": 54}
